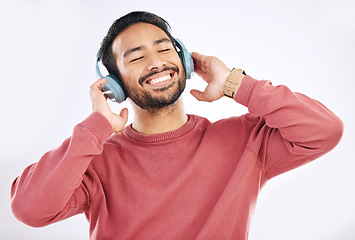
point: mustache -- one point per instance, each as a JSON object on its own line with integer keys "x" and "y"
{"x": 143, "y": 78}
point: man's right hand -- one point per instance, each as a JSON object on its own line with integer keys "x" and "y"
{"x": 99, "y": 104}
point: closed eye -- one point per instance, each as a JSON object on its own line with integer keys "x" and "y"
{"x": 164, "y": 50}
{"x": 136, "y": 59}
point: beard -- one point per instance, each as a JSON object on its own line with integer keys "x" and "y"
{"x": 147, "y": 102}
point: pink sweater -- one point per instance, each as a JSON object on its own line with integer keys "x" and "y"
{"x": 198, "y": 182}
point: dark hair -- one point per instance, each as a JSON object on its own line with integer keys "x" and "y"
{"x": 105, "y": 53}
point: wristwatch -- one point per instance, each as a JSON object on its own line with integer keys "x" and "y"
{"x": 233, "y": 82}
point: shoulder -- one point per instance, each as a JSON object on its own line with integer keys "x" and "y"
{"x": 227, "y": 126}
{"x": 235, "y": 125}
{"x": 228, "y": 123}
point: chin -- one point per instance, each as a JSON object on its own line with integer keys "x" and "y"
{"x": 147, "y": 101}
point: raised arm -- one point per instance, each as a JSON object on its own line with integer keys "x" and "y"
{"x": 287, "y": 129}
{"x": 293, "y": 128}
{"x": 59, "y": 185}
{"x": 54, "y": 188}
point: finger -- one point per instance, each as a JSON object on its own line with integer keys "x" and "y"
{"x": 199, "y": 60}
{"x": 199, "y": 72}
{"x": 98, "y": 99}
{"x": 199, "y": 57}
{"x": 95, "y": 88}
{"x": 98, "y": 84}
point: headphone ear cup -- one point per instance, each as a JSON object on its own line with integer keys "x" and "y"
{"x": 187, "y": 62}
{"x": 186, "y": 59}
{"x": 114, "y": 89}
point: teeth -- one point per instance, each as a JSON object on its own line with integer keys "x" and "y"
{"x": 160, "y": 79}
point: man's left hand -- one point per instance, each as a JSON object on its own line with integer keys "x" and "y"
{"x": 214, "y": 72}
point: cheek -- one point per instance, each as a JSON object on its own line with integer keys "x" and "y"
{"x": 127, "y": 79}
{"x": 178, "y": 63}
{"x": 128, "y": 75}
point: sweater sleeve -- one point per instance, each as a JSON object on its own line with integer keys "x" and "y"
{"x": 289, "y": 129}
{"x": 56, "y": 187}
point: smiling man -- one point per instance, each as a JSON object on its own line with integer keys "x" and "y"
{"x": 171, "y": 175}
{"x": 152, "y": 69}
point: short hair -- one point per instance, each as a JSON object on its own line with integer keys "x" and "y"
{"x": 106, "y": 54}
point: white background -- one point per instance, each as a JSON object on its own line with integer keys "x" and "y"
{"x": 47, "y": 65}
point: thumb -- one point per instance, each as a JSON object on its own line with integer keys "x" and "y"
{"x": 119, "y": 121}
{"x": 200, "y": 96}
{"x": 124, "y": 113}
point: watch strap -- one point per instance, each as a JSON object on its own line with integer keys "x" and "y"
{"x": 233, "y": 82}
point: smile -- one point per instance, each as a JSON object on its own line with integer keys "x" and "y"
{"x": 159, "y": 79}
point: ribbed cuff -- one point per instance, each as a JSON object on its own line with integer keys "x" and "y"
{"x": 98, "y": 125}
{"x": 245, "y": 90}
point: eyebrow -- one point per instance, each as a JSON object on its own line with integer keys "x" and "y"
{"x": 156, "y": 42}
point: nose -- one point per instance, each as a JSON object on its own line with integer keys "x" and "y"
{"x": 155, "y": 61}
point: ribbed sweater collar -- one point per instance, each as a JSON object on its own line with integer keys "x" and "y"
{"x": 154, "y": 138}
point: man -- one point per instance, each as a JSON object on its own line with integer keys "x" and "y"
{"x": 170, "y": 175}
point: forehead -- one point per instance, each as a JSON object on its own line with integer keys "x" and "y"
{"x": 138, "y": 34}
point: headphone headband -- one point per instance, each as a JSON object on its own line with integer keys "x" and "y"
{"x": 98, "y": 72}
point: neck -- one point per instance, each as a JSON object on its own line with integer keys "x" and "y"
{"x": 163, "y": 120}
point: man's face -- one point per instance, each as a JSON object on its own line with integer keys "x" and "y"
{"x": 150, "y": 68}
